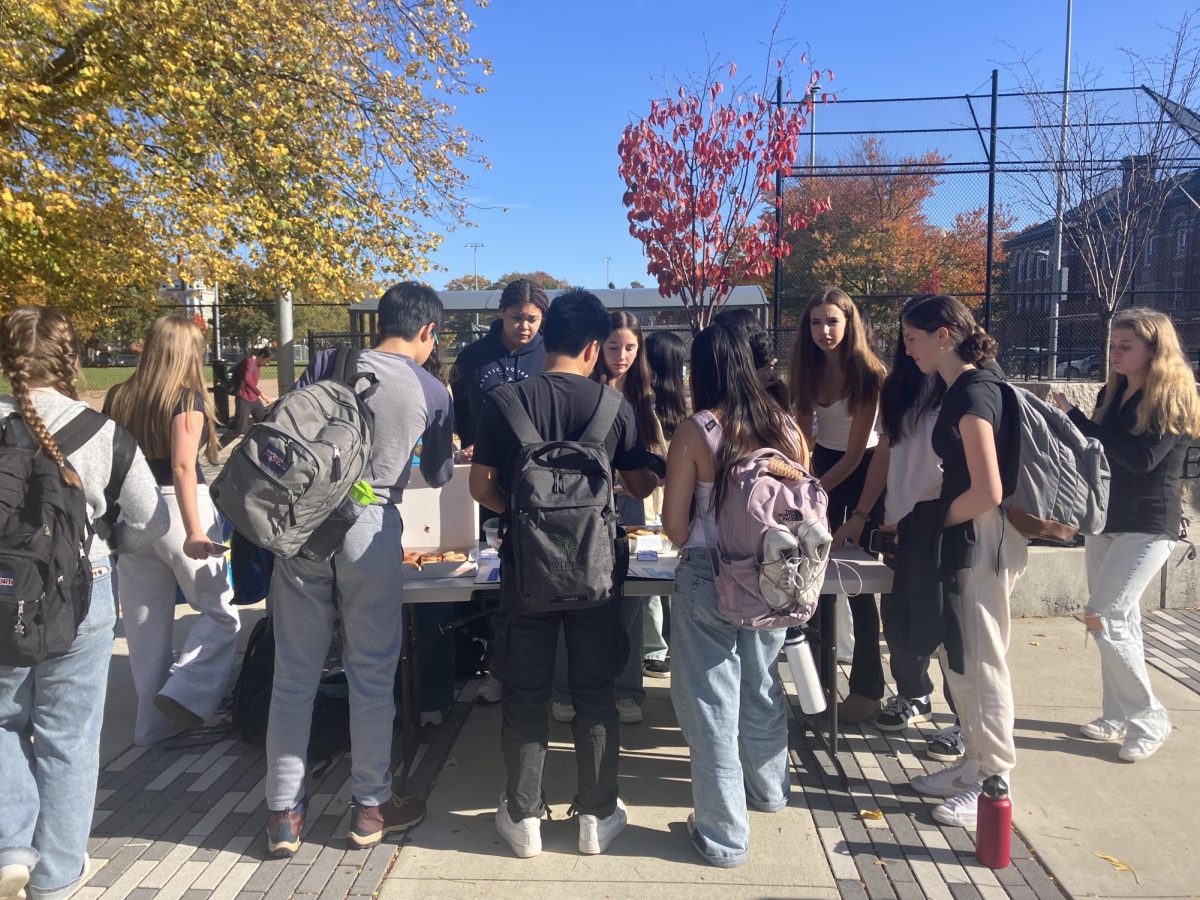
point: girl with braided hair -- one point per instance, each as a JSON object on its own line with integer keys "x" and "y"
{"x": 166, "y": 406}
{"x": 48, "y": 786}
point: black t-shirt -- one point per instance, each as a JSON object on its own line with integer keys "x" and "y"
{"x": 561, "y": 406}
{"x": 974, "y": 393}
{"x": 161, "y": 468}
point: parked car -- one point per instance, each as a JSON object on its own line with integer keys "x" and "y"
{"x": 1024, "y": 362}
{"x": 1077, "y": 368}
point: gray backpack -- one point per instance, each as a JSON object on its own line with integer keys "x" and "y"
{"x": 1062, "y": 479}
{"x": 287, "y": 485}
{"x": 562, "y": 547}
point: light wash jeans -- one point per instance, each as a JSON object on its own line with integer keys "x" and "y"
{"x": 204, "y": 672}
{"x": 729, "y": 702}
{"x": 50, "y": 718}
{"x": 1119, "y": 567}
{"x": 365, "y": 579}
{"x": 654, "y": 645}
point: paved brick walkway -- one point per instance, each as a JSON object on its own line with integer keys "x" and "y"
{"x": 1173, "y": 644}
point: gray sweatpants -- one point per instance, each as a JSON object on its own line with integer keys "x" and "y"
{"x": 365, "y": 579}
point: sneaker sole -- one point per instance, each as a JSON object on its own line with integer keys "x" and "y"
{"x": 367, "y": 840}
{"x": 954, "y": 821}
{"x": 943, "y": 757}
{"x": 1114, "y": 739}
{"x": 283, "y": 849}
{"x": 650, "y": 674}
{"x": 951, "y": 790}
{"x": 892, "y": 727}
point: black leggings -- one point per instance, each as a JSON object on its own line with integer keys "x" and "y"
{"x": 866, "y": 670}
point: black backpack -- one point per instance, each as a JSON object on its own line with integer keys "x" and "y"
{"x": 561, "y": 549}
{"x": 45, "y": 574}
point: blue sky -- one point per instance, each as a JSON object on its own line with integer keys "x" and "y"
{"x": 569, "y": 75}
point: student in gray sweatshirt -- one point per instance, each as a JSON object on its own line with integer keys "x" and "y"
{"x": 48, "y": 785}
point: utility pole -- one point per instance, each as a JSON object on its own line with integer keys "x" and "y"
{"x": 1058, "y": 275}
{"x": 813, "y": 90}
{"x": 607, "y": 260}
{"x": 475, "y": 256}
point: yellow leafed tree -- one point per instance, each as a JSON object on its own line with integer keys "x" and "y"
{"x": 312, "y": 139}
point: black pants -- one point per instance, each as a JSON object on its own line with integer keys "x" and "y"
{"x": 911, "y": 671}
{"x": 524, "y": 661}
{"x": 246, "y": 410}
{"x": 866, "y": 670}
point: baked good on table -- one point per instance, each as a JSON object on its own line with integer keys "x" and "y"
{"x": 413, "y": 558}
{"x": 427, "y": 558}
{"x": 454, "y": 556}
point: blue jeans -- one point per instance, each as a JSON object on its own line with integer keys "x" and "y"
{"x": 48, "y": 785}
{"x": 729, "y": 702}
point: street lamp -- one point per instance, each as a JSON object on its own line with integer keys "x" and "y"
{"x": 607, "y": 260}
{"x": 475, "y": 256}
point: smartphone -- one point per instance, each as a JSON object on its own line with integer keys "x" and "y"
{"x": 880, "y": 541}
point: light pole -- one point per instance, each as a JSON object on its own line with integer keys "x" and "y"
{"x": 1058, "y": 275}
{"x": 475, "y": 261}
{"x": 813, "y": 90}
{"x": 607, "y": 260}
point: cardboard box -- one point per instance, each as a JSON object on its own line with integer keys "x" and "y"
{"x": 440, "y": 519}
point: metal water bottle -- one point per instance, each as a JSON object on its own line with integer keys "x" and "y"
{"x": 804, "y": 672}
{"x": 993, "y": 834}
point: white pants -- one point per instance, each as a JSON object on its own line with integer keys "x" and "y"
{"x": 982, "y": 694}
{"x": 147, "y": 578}
{"x": 1119, "y": 567}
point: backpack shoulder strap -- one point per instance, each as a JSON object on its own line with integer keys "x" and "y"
{"x": 79, "y": 431}
{"x": 345, "y": 370}
{"x": 518, "y": 419}
{"x": 603, "y": 418}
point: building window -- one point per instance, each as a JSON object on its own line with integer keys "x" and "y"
{"x": 1179, "y": 299}
{"x": 1182, "y": 235}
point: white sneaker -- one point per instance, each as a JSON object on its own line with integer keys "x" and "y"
{"x": 950, "y": 781}
{"x": 793, "y": 565}
{"x": 525, "y": 837}
{"x": 629, "y": 711}
{"x": 13, "y": 879}
{"x": 1137, "y": 749}
{"x": 489, "y": 691}
{"x": 962, "y": 809}
{"x": 595, "y": 834}
{"x": 562, "y": 712}
{"x": 1102, "y": 730}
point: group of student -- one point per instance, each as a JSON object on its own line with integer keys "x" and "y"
{"x": 880, "y": 442}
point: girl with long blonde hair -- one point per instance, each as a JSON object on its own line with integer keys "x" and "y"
{"x": 48, "y": 785}
{"x": 1147, "y": 414}
{"x": 836, "y": 379}
{"x": 166, "y": 406}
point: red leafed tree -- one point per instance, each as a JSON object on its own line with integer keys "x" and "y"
{"x": 700, "y": 176}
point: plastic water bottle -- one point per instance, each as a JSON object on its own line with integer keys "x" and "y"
{"x": 993, "y": 835}
{"x": 804, "y": 672}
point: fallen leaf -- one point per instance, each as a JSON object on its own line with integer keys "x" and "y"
{"x": 1035, "y": 643}
{"x": 1118, "y": 865}
{"x": 870, "y": 815}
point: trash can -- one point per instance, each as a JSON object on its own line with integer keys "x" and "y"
{"x": 220, "y": 390}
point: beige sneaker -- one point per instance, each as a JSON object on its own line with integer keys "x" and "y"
{"x": 857, "y": 709}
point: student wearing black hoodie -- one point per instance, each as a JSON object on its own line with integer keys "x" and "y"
{"x": 512, "y": 351}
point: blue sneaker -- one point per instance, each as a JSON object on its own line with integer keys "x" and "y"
{"x": 284, "y": 829}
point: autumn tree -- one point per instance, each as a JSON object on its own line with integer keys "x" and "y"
{"x": 467, "y": 283}
{"x": 315, "y": 142}
{"x": 699, "y": 171}
{"x": 543, "y": 279}
{"x": 876, "y": 239}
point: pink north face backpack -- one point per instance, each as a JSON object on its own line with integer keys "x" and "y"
{"x": 773, "y": 541}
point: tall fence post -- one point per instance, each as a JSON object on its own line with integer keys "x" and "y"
{"x": 285, "y": 350}
{"x": 991, "y": 210}
{"x": 777, "y": 281}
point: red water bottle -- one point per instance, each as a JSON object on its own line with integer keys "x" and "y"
{"x": 993, "y": 834}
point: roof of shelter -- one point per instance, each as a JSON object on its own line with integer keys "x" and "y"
{"x": 620, "y": 298}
